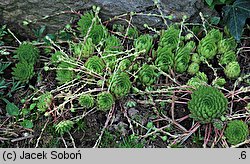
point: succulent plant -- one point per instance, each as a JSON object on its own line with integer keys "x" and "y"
{"x": 85, "y": 22}
{"x": 64, "y": 73}
{"x": 196, "y": 58}
{"x": 228, "y": 57}
{"x": 112, "y": 43}
{"x": 226, "y": 45}
{"x": 112, "y": 46}
{"x": 86, "y": 101}
{"x": 200, "y": 79}
{"x": 23, "y": 71}
{"x": 132, "y": 32}
{"x": 193, "y": 68}
{"x": 232, "y": 70}
{"x": 26, "y": 52}
{"x": 143, "y": 42}
{"x": 236, "y": 132}
{"x": 170, "y": 38}
{"x": 216, "y": 34}
{"x": 56, "y": 57}
{"x": 219, "y": 82}
{"x": 120, "y": 84}
{"x": 124, "y": 64}
{"x": 164, "y": 59}
{"x": 182, "y": 59}
{"x": 190, "y": 45}
{"x": 97, "y": 31}
{"x": 207, "y": 47}
{"x": 147, "y": 75}
{"x": 64, "y": 126}
{"x": 206, "y": 104}
{"x": 95, "y": 64}
{"x": 84, "y": 50}
{"x": 44, "y": 101}
{"x": 105, "y": 101}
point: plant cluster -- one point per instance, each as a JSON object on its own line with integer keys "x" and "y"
{"x": 27, "y": 55}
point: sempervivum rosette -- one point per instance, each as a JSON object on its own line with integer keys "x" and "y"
{"x": 112, "y": 46}
{"x": 182, "y": 58}
{"x": 226, "y": 45}
{"x": 26, "y": 52}
{"x": 95, "y": 64}
{"x": 64, "y": 72}
{"x": 84, "y": 50}
{"x": 105, "y": 101}
{"x": 124, "y": 64}
{"x": 232, "y": 70}
{"x": 89, "y": 25}
{"x": 193, "y": 68}
{"x": 170, "y": 38}
{"x": 216, "y": 34}
{"x": 236, "y": 132}
{"x": 120, "y": 84}
{"x": 147, "y": 75}
{"x": 207, "y": 47}
{"x": 86, "y": 101}
{"x": 23, "y": 71}
{"x": 228, "y": 57}
{"x": 164, "y": 59}
{"x": 207, "y": 104}
{"x": 143, "y": 42}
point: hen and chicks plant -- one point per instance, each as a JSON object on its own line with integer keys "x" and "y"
{"x": 23, "y": 71}
{"x": 105, "y": 101}
{"x": 90, "y": 26}
{"x": 26, "y": 52}
{"x": 207, "y": 104}
{"x": 86, "y": 101}
{"x": 120, "y": 84}
{"x": 27, "y": 55}
{"x": 236, "y": 132}
{"x": 147, "y": 75}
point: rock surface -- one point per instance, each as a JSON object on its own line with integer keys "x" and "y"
{"x": 14, "y": 12}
